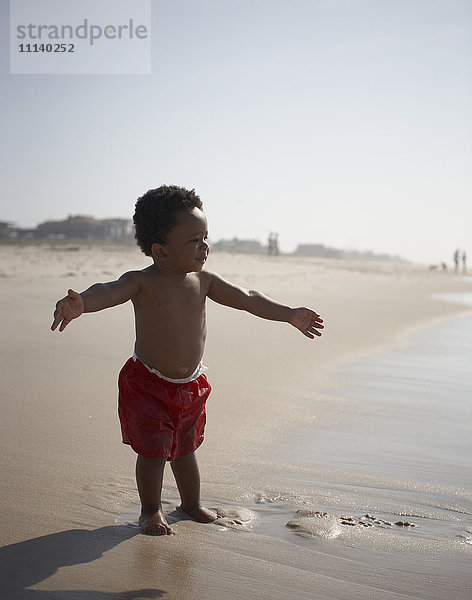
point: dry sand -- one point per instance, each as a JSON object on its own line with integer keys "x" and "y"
{"x": 68, "y": 482}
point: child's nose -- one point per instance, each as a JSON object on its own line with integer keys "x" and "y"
{"x": 204, "y": 245}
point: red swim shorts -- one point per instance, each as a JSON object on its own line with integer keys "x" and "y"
{"x": 160, "y": 418}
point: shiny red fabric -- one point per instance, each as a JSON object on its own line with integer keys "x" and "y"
{"x": 159, "y": 418}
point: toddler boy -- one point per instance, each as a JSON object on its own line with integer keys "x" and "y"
{"x": 163, "y": 388}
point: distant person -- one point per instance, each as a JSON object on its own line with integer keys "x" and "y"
{"x": 270, "y": 244}
{"x": 456, "y": 260}
{"x": 276, "y": 244}
{"x": 464, "y": 262}
{"x": 162, "y": 388}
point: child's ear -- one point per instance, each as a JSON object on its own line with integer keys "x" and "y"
{"x": 158, "y": 250}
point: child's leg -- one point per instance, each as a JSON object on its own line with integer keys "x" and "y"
{"x": 187, "y": 477}
{"x": 149, "y": 474}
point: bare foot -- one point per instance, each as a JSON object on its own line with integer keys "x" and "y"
{"x": 154, "y": 523}
{"x": 199, "y": 513}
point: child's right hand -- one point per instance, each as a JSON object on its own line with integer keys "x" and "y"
{"x": 70, "y": 307}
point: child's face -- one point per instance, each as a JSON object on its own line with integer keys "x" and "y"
{"x": 186, "y": 249}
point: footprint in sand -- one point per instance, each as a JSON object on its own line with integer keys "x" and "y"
{"x": 238, "y": 518}
{"x": 312, "y": 523}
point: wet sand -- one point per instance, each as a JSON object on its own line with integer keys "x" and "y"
{"x": 69, "y": 502}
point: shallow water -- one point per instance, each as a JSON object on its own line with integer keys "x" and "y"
{"x": 402, "y": 443}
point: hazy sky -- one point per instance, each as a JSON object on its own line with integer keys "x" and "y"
{"x": 342, "y": 122}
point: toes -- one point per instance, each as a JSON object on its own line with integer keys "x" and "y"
{"x": 155, "y": 526}
{"x": 200, "y": 514}
{"x": 153, "y": 529}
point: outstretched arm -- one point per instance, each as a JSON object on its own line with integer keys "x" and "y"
{"x": 95, "y": 298}
{"x": 306, "y": 320}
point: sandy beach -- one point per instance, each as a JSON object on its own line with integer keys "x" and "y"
{"x": 296, "y": 434}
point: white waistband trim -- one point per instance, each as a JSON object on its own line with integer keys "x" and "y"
{"x": 195, "y": 375}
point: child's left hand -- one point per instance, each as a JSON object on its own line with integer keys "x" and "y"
{"x": 307, "y": 321}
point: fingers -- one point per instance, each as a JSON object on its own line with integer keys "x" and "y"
{"x": 57, "y": 315}
{"x": 60, "y": 319}
{"x": 312, "y": 315}
{"x": 316, "y": 323}
{"x": 64, "y": 324}
{"x": 311, "y": 332}
{"x": 307, "y": 321}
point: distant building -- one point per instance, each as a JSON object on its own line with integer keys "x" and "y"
{"x": 369, "y": 255}
{"x": 240, "y": 246}
{"x": 84, "y": 228}
{"x": 11, "y": 233}
{"x": 6, "y": 231}
{"x": 317, "y": 250}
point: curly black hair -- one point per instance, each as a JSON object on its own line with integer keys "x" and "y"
{"x": 156, "y": 213}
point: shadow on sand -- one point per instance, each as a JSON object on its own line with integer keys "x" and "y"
{"x": 27, "y": 563}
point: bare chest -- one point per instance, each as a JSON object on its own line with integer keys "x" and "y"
{"x": 170, "y": 303}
